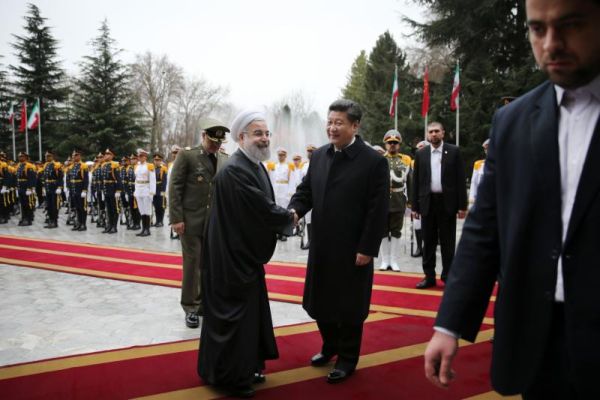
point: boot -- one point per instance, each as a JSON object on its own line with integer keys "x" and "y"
{"x": 384, "y": 254}
{"x": 395, "y": 254}
{"x": 145, "y": 226}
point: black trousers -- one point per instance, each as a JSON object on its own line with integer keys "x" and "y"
{"x": 80, "y": 205}
{"x": 52, "y": 202}
{"x": 159, "y": 206}
{"x": 341, "y": 339}
{"x": 112, "y": 212}
{"x": 438, "y": 225}
{"x": 27, "y": 205}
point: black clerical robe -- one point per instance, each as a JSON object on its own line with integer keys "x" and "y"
{"x": 237, "y": 330}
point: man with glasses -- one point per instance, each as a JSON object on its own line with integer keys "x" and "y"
{"x": 237, "y": 330}
{"x": 190, "y": 191}
{"x": 399, "y": 167}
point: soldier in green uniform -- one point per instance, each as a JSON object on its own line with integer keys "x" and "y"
{"x": 190, "y": 190}
{"x": 26, "y": 183}
{"x": 399, "y": 168}
{"x": 52, "y": 180}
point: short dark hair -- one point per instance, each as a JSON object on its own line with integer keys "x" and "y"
{"x": 351, "y": 108}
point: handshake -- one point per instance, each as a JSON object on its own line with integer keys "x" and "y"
{"x": 295, "y": 216}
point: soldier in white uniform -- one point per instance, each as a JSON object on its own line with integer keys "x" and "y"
{"x": 280, "y": 174}
{"x": 145, "y": 188}
{"x": 477, "y": 175}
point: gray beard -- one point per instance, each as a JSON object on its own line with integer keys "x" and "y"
{"x": 261, "y": 154}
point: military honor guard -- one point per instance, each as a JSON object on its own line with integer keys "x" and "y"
{"x": 280, "y": 173}
{"x": 5, "y": 200}
{"x": 26, "y": 182}
{"x": 145, "y": 189}
{"x": 112, "y": 188}
{"x": 160, "y": 199}
{"x": 52, "y": 178}
{"x": 78, "y": 179}
{"x": 134, "y": 212}
{"x": 98, "y": 193}
{"x": 477, "y": 175}
{"x": 399, "y": 165}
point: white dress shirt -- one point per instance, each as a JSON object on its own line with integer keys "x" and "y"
{"x": 578, "y": 116}
{"x": 436, "y": 168}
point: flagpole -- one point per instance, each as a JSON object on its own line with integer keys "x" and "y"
{"x": 13, "y": 134}
{"x": 396, "y": 102}
{"x": 40, "y": 130}
{"x": 457, "y": 109}
{"x": 425, "y": 127}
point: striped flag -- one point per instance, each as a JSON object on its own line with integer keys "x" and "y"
{"x": 394, "y": 94}
{"x": 425, "y": 105}
{"x": 11, "y": 113}
{"x": 454, "y": 101}
{"x": 34, "y": 117}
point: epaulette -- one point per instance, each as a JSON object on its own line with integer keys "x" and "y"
{"x": 150, "y": 167}
{"x": 270, "y": 166}
{"x": 406, "y": 159}
{"x": 291, "y": 166}
{"x": 478, "y": 164}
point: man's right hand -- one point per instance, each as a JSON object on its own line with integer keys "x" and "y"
{"x": 178, "y": 228}
{"x": 438, "y": 359}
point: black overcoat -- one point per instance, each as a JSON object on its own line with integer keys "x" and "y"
{"x": 348, "y": 192}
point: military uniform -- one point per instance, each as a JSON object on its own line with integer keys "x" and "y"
{"x": 160, "y": 200}
{"x": 190, "y": 191}
{"x": 477, "y": 176}
{"x": 129, "y": 187}
{"x": 97, "y": 193}
{"x": 145, "y": 188}
{"x": 78, "y": 179}
{"x": 26, "y": 183}
{"x": 111, "y": 189}
{"x": 5, "y": 201}
{"x": 52, "y": 180}
{"x": 399, "y": 166}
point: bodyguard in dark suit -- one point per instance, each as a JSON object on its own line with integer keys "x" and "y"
{"x": 439, "y": 193}
{"x": 535, "y": 225}
{"x": 347, "y": 188}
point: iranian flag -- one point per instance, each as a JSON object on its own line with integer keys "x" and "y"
{"x": 454, "y": 101}
{"x": 34, "y": 117}
{"x": 11, "y": 113}
{"x": 394, "y": 95}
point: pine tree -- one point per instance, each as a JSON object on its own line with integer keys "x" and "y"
{"x": 355, "y": 88}
{"x": 379, "y": 79}
{"x": 104, "y": 113}
{"x": 39, "y": 74}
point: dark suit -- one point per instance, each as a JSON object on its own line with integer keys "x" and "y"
{"x": 514, "y": 233}
{"x": 348, "y": 192}
{"x": 438, "y": 211}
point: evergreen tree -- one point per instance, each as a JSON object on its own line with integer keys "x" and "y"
{"x": 104, "y": 113}
{"x": 39, "y": 75}
{"x": 355, "y": 87}
{"x": 378, "y": 82}
{"x": 489, "y": 38}
{"x": 5, "y": 103}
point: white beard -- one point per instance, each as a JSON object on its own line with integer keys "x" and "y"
{"x": 261, "y": 154}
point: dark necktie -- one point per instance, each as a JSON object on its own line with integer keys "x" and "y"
{"x": 213, "y": 160}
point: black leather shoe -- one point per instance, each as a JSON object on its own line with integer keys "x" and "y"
{"x": 259, "y": 377}
{"x": 192, "y": 320}
{"x": 426, "y": 283}
{"x": 82, "y": 228}
{"x": 158, "y": 224}
{"x": 338, "y": 375}
{"x": 320, "y": 359}
{"x": 419, "y": 253}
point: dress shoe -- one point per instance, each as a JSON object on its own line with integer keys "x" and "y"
{"x": 320, "y": 359}
{"x": 158, "y": 224}
{"x": 113, "y": 229}
{"x": 192, "y": 320}
{"x": 425, "y": 283}
{"x": 259, "y": 377}
{"x": 419, "y": 253}
{"x": 82, "y": 228}
{"x": 338, "y": 375}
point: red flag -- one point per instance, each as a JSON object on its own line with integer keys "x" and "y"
{"x": 425, "y": 106}
{"x": 23, "y": 123}
{"x": 455, "y": 90}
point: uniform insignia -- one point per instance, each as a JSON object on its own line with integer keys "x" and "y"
{"x": 200, "y": 178}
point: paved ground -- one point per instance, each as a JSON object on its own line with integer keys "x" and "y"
{"x": 48, "y": 314}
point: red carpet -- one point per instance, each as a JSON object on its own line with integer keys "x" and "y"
{"x": 392, "y": 292}
{"x": 391, "y": 366}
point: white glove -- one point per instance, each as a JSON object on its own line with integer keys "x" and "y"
{"x": 162, "y": 194}
{"x": 58, "y": 191}
{"x": 44, "y": 192}
{"x": 4, "y": 190}
{"x": 102, "y": 195}
{"x": 83, "y": 194}
{"x": 28, "y": 192}
{"x": 117, "y": 195}
{"x": 126, "y": 197}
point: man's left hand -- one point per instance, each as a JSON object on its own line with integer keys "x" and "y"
{"x": 362, "y": 259}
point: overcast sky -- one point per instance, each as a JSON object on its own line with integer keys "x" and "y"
{"x": 261, "y": 49}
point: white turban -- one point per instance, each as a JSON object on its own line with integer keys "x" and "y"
{"x": 242, "y": 120}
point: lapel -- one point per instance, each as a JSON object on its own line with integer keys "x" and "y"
{"x": 589, "y": 183}
{"x": 445, "y": 148}
{"x": 427, "y": 166}
{"x": 544, "y": 147}
{"x": 203, "y": 158}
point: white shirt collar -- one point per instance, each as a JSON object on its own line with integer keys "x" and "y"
{"x": 593, "y": 88}
{"x": 345, "y": 147}
{"x": 439, "y": 147}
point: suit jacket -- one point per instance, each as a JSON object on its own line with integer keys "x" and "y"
{"x": 348, "y": 193}
{"x": 453, "y": 180}
{"x": 514, "y": 233}
{"x": 190, "y": 188}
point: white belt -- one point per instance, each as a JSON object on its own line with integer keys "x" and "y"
{"x": 396, "y": 190}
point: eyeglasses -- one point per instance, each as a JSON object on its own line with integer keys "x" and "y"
{"x": 258, "y": 133}
{"x": 390, "y": 142}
